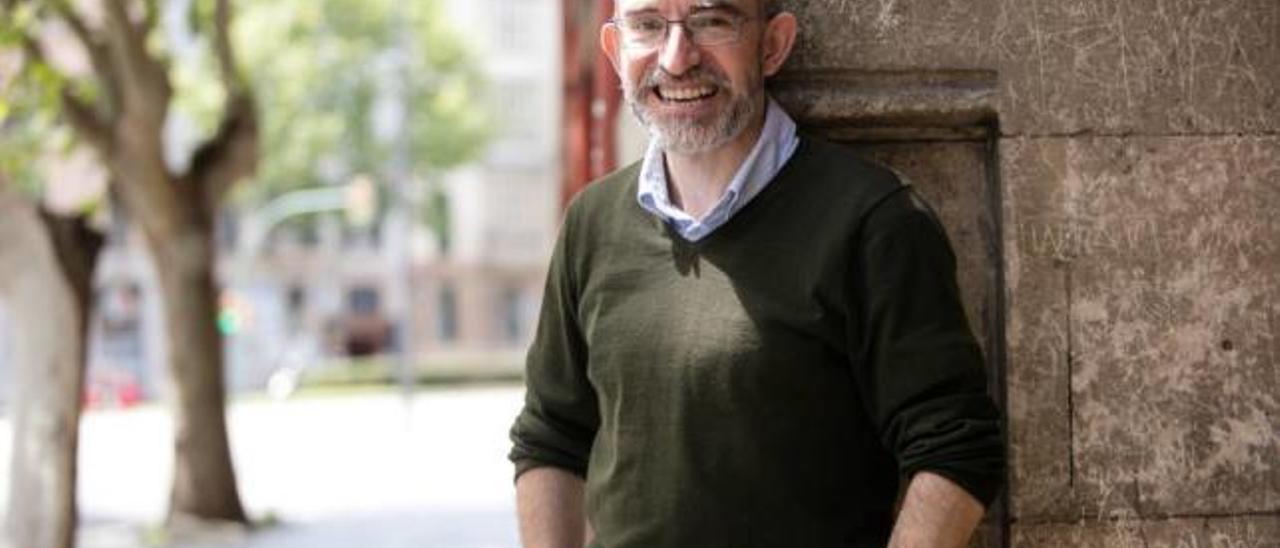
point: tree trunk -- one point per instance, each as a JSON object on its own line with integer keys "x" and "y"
{"x": 204, "y": 484}
{"x": 125, "y": 126}
{"x": 46, "y": 270}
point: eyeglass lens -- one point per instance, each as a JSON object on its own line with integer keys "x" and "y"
{"x": 705, "y": 28}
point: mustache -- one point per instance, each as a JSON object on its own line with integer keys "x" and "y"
{"x": 698, "y": 75}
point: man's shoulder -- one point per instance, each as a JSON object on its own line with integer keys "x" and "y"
{"x": 610, "y": 191}
{"x": 884, "y": 198}
{"x": 841, "y": 179}
{"x": 848, "y": 171}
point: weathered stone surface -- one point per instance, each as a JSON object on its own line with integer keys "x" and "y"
{"x": 1213, "y": 532}
{"x": 1176, "y": 321}
{"x": 1146, "y": 66}
{"x": 1037, "y": 375}
{"x": 1168, "y": 249}
{"x": 989, "y": 534}
{"x": 851, "y": 103}
{"x": 1067, "y": 67}
{"x": 894, "y": 34}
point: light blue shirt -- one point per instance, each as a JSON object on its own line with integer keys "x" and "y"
{"x": 777, "y": 142}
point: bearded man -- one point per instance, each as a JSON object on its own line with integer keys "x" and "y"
{"x": 750, "y": 338}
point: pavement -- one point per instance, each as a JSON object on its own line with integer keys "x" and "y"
{"x": 367, "y": 470}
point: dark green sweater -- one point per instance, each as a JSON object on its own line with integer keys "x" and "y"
{"x": 768, "y": 385}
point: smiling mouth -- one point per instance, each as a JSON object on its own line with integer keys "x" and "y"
{"x": 684, "y": 95}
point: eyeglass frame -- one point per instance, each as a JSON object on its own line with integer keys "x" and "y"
{"x": 739, "y": 17}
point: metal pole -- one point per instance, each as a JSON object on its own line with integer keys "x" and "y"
{"x": 400, "y": 212}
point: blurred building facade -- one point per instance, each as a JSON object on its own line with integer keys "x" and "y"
{"x": 504, "y": 208}
{"x": 459, "y": 297}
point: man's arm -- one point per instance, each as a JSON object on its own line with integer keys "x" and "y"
{"x": 922, "y": 377}
{"x": 550, "y": 508}
{"x": 552, "y": 436}
{"x": 936, "y": 513}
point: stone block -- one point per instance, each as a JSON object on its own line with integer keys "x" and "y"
{"x": 880, "y": 106}
{"x": 1154, "y": 67}
{"x": 1197, "y": 532}
{"x": 893, "y": 34}
{"x": 1037, "y": 335}
{"x": 1167, "y": 250}
{"x": 1138, "y": 66}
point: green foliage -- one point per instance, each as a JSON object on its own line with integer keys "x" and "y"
{"x": 320, "y": 69}
{"x": 31, "y": 99}
{"x": 29, "y": 128}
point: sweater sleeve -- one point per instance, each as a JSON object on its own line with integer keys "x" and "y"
{"x": 560, "y": 417}
{"x": 918, "y": 367}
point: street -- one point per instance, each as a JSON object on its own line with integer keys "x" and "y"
{"x": 335, "y": 471}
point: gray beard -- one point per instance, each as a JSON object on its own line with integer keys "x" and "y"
{"x": 691, "y": 137}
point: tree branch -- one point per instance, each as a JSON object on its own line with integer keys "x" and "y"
{"x": 88, "y": 124}
{"x": 106, "y": 71}
{"x": 231, "y": 154}
{"x": 121, "y": 31}
{"x": 31, "y": 48}
{"x": 76, "y": 246}
{"x": 149, "y": 16}
{"x": 222, "y": 48}
{"x": 146, "y": 82}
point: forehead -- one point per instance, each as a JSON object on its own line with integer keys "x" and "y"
{"x": 628, "y": 6}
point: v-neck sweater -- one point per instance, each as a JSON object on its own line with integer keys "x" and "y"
{"x": 769, "y": 385}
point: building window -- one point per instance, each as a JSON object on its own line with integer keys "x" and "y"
{"x": 365, "y": 330}
{"x": 295, "y": 307}
{"x": 447, "y": 314}
{"x": 516, "y": 107}
{"x": 120, "y": 309}
{"x": 511, "y": 315}
{"x": 362, "y": 237}
{"x": 363, "y": 300}
{"x": 520, "y": 139}
{"x": 300, "y": 233}
{"x": 227, "y": 230}
{"x": 516, "y": 24}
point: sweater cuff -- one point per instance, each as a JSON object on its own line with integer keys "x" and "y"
{"x": 982, "y": 487}
{"x": 526, "y": 464}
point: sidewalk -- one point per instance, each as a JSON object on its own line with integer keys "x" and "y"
{"x": 391, "y": 530}
{"x": 360, "y": 470}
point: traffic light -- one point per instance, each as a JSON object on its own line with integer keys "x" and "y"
{"x": 362, "y": 200}
{"x": 234, "y": 313}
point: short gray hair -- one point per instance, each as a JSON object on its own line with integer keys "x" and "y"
{"x": 769, "y": 8}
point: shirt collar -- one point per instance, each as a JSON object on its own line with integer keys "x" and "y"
{"x": 773, "y": 148}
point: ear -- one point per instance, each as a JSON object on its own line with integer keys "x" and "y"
{"x": 779, "y": 37}
{"x": 609, "y": 43}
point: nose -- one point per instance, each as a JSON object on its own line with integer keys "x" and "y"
{"x": 678, "y": 54}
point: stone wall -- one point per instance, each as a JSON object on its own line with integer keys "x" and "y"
{"x": 1135, "y": 203}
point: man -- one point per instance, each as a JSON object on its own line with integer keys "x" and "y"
{"x": 748, "y": 338}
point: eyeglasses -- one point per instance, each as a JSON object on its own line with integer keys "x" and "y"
{"x": 706, "y": 28}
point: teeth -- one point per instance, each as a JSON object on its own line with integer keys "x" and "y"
{"x": 686, "y": 94}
